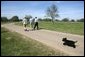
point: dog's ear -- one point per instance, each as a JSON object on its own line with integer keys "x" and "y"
{"x": 65, "y": 38}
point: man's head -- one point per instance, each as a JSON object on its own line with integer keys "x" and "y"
{"x": 35, "y": 17}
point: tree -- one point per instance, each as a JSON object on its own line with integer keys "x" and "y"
{"x": 80, "y": 20}
{"x": 4, "y": 19}
{"x": 28, "y": 17}
{"x": 39, "y": 19}
{"x": 52, "y": 12}
{"x": 14, "y": 18}
{"x": 57, "y": 20}
{"x": 46, "y": 19}
{"x": 20, "y": 19}
{"x": 72, "y": 20}
{"x": 65, "y": 19}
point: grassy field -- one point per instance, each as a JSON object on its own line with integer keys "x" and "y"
{"x": 14, "y": 44}
{"x": 67, "y": 27}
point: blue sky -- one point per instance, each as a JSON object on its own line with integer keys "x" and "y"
{"x": 66, "y": 9}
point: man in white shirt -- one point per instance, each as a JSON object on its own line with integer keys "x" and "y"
{"x": 25, "y": 24}
{"x": 36, "y": 23}
{"x": 32, "y": 22}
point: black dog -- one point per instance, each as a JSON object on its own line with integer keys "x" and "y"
{"x": 69, "y": 42}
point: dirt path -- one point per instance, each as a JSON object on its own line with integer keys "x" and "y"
{"x": 52, "y": 39}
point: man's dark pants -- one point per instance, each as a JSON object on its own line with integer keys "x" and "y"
{"x": 36, "y": 25}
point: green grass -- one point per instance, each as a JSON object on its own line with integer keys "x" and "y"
{"x": 67, "y": 27}
{"x": 14, "y": 44}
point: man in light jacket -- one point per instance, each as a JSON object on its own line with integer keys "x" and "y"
{"x": 32, "y": 22}
{"x": 25, "y": 23}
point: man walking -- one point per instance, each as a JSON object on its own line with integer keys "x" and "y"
{"x": 25, "y": 23}
{"x": 31, "y": 22}
{"x": 36, "y": 23}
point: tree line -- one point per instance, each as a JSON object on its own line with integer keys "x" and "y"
{"x": 16, "y": 19}
{"x": 63, "y": 20}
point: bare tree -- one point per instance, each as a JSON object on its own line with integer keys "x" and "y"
{"x": 52, "y": 12}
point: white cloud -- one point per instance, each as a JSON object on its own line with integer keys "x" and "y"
{"x": 58, "y": 1}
